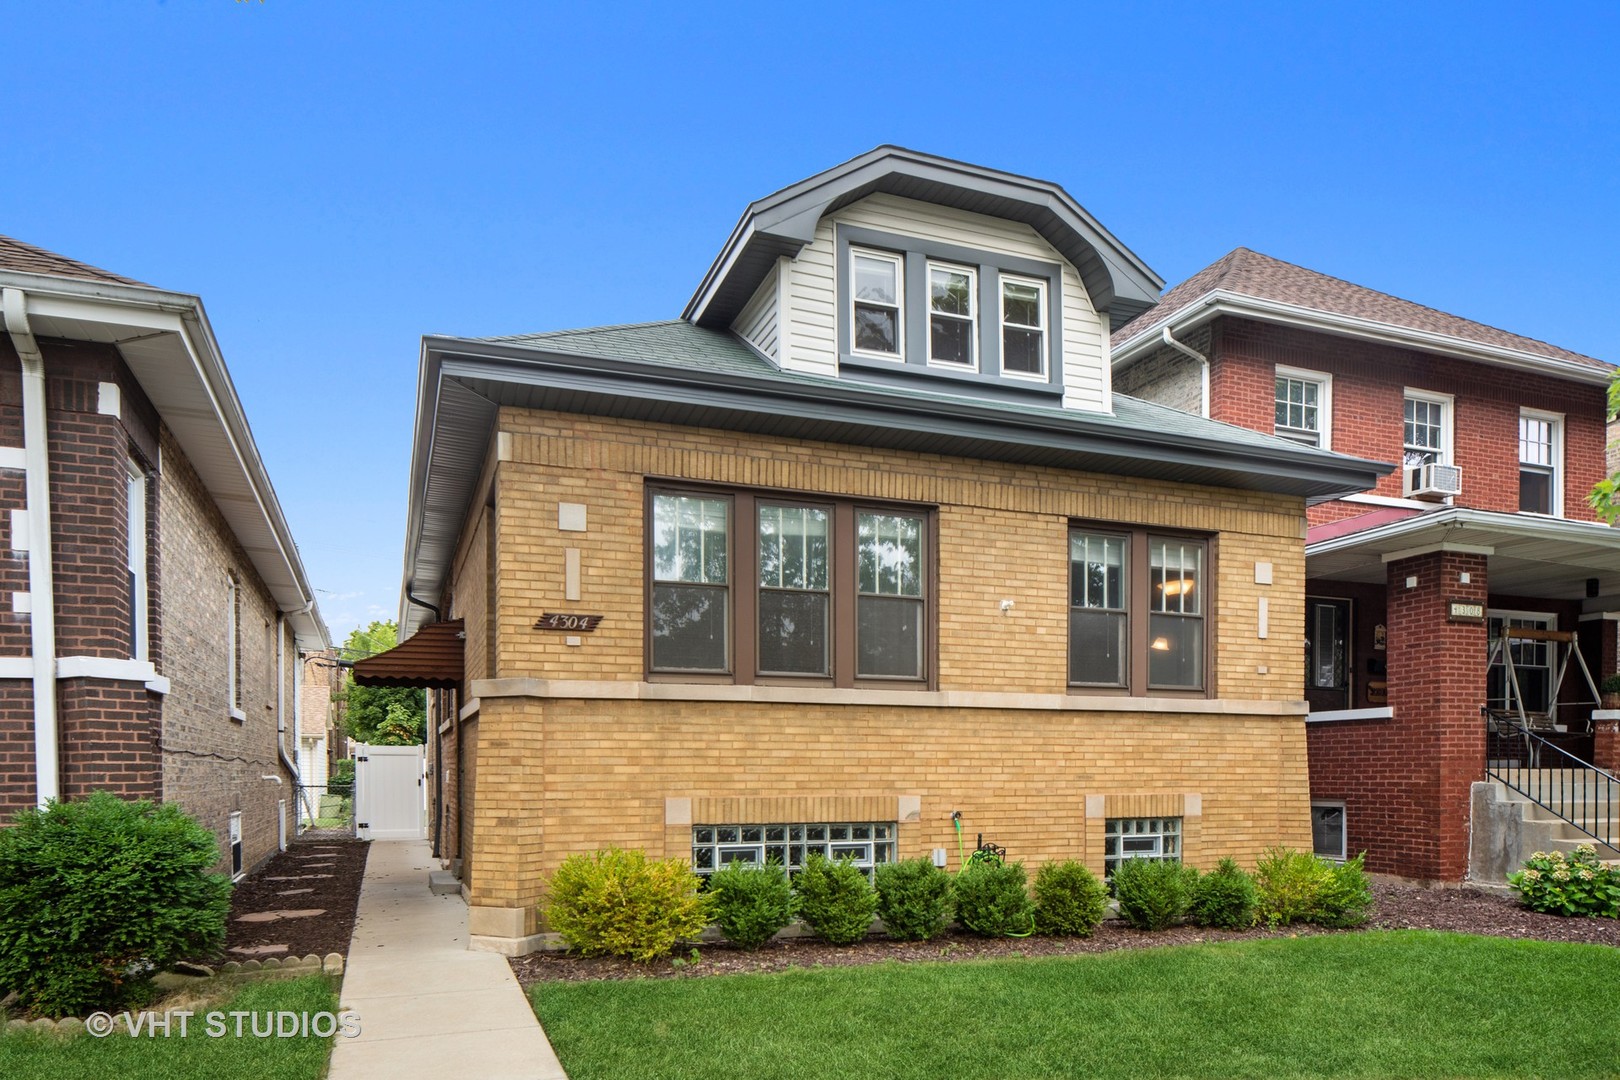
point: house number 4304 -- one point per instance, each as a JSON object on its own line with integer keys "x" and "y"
{"x": 573, "y": 624}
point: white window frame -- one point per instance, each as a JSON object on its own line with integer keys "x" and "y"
{"x": 899, "y": 354}
{"x": 1045, "y": 326}
{"x": 1556, "y": 423}
{"x": 1448, "y": 429}
{"x": 139, "y": 600}
{"x": 1157, "y": 830}
{"x": 753, "y": 847}
{"x": 972, "y": 317}
{"x": 1324, "y": 406}
{"x": 1344, "y": 828}
{"x": 233, "y": 647}
{"x": 233, "y": 847}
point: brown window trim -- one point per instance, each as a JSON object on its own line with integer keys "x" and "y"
{"x": 742, "y": 561}
{"x": 1137, "y": 584}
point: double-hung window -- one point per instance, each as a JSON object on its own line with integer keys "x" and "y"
{"x": 1539, "y": 454}
{"x": 1137, "y": 610}
{"x": 826, "y": 589}
{"x": 1302, "y": 406}
{"x": 952, "y": 328}
{"x": 877, "y": 315}
{"x": 136, "y": 549}
{"x": 1023, "y": 327}
{"x": 1426, "y": 434}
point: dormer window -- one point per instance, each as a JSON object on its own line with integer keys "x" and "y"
{"x": 1023, "y": 327}
{"x": 979, "y": 322}
{"x": 951, "y": 330}
{"x": 879, "y": 286}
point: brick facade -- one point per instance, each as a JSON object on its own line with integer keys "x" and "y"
{"x": 114, "y": 733}
{"x": 1033, "y": 767}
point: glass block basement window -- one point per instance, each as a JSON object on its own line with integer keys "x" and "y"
{"x": 1140, "y": 838}
{"x": 868, "y": 843}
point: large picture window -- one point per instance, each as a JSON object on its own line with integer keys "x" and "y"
{"x": 749, "y": 586}
{"x": 1137, "y": 610}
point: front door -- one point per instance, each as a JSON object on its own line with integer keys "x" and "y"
{"x": 1327, "y": 654}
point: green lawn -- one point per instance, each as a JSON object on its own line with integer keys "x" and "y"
{"x": 1402, "y": 1003}
{"x": 197, "y": 1057}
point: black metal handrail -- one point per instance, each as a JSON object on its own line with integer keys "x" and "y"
{"x": 1574, "y": 790}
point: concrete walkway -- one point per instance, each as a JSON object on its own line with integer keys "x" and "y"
{"x": 427, "y": 1006}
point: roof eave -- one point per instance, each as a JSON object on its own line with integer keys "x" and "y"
{"x": 1223, "y": 302}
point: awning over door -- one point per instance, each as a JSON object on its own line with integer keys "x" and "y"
{"x": 430, "y": 658}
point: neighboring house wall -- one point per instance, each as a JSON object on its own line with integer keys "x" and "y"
{"x": 1368, "y": 385}
{"x": 217, "y": 752}
{"x": 1169, "y": 377}
{"x": 812, "y": 289}
{"x": 635, "y": 762}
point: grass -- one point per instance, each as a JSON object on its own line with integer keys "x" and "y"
{"x": 41, "y": 1056}
{"x": 1401, "y": 1003}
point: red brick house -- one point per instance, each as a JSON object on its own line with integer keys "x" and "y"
{"x": 1485, "y": 525}
{"x": 152, "y": 602}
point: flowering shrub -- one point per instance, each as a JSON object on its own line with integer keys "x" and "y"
{"x": 1573, "y": 884}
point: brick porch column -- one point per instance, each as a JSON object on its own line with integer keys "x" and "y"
{"x": 1436, "y": 688}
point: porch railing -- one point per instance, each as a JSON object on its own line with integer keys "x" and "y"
{"x": 1571, "y": 789}
{"x": 322, "y": 806}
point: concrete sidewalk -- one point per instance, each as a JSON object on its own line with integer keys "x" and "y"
{"x": 427, "y": 1006}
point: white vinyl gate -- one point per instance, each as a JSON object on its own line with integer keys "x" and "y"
{"x": 390, "y": 796}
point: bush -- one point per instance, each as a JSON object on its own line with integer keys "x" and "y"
{"x": 1345, "y": 897}
{"x": 835, "y": 899}
{"x": 751, "y": 902}
{"x": 914, "y": 899}
{"x": 1296, "y": 886}
{"x": 1068, "y": 899}
{"x": 97, "y": 896}
{"x": 622, "y": 903}
{"x": 341, "y": 781}
{"x": 990, "y": 899}
{"x": 1573, "y": 884}
{"x": 1153, "y": 893}
{"x": 1224, "y": 897}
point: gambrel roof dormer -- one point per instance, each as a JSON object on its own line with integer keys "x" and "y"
{"x": 901, "y": 268}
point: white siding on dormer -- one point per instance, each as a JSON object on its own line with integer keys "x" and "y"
{"x": 812, "y": 288}
{"x": 758, "y": 320}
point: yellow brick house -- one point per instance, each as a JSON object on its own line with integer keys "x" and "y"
{"x": 861, "y": 546}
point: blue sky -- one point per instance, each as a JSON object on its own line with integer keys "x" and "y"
{"x": 337, "y": 179}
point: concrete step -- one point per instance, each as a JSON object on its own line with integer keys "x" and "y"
{"x": 443, "y": 883}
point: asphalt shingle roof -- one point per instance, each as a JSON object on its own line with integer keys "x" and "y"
{"x": 1249, "y": 273}
{"x": 680, "y": 344}
{"x": 17, "y": 255}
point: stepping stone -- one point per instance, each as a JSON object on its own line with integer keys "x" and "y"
{"x": 305, "y": 913}
{"x": 320, "y": 866}
{"x": 258, "y": 916}
{"x": 272, "y": 916}
{"x": 258, "y": 950}
{"x": 293, "y": 892}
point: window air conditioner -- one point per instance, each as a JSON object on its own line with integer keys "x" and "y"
{"x": 1435, "y": 481}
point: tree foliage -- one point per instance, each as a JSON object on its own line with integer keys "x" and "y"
{"x": 1605, "y": 497}
{"x": 381, "y": 715}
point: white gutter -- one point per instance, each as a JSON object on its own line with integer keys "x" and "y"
{"x": 1203, "y": 369}
{"x": 1220, "y": 301}
{"x": 41, "y": 588}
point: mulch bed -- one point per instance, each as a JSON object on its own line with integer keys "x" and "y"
{"x": 315, "y": 874}
{"x": 1397, "y": 906}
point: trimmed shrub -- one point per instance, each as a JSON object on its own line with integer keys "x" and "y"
{"x": 1224, "y": 897}
{"x": 991, "y": 900}
{"x": 1068, "y": 899}
{"x": 751, "y": 902}
{"x": 624, "y": 904}
{"x": 835, "y": 900}
{"x": 1346, "y": 895}
{"x": 1297, "y": 886}
{"x": 914, "y": 899}
{"x": 1573, "y": 884}
{"x": 1153, "y": 893}
{"x": 99, "y": 895}
{"x": 1288, "y": 884}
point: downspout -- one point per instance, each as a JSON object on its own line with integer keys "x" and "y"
{"x": 281, "y": 697}
{"x": 1203, "y": 365}
{"x": 41, "y": 589}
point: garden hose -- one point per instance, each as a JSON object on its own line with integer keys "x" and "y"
{"x": 983, "y": 855}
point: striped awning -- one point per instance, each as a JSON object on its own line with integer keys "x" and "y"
{"x": 430, "y": 658}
